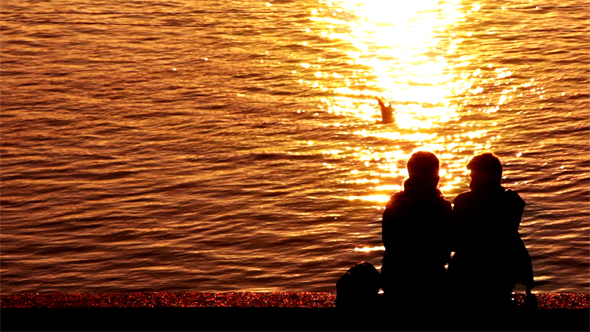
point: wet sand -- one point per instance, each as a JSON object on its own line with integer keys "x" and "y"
{"x": 272, "y": 311}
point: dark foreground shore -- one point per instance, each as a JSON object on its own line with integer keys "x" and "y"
{"x": 276, "y": 311}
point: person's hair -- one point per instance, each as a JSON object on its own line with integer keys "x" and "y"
{"x": 423, "y": 163}
{"x": 486, "y": 163}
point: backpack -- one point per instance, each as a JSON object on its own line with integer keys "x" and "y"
{"x": 358, "y": 287}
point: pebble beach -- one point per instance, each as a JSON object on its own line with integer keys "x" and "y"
{"x": 277, "y": 311}
{"x": 231, "y": 300}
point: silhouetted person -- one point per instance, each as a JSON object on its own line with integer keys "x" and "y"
{"x": 416, "y": 225}
{"x": 489, "y": 254}
{"x": 386, "y": 112}
{"x": 358, "y": 287}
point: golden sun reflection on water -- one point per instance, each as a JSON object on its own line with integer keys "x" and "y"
{"x": 407, "y": 55}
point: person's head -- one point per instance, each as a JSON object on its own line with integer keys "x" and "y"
{"x": 424, "y": 166}
{"x": 486, "y": 170}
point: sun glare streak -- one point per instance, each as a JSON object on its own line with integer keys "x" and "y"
{"x": 411, "y": 56}
{"x": 389, "y": 187}
{"x": 371, "y": 198}
{"x": 368, "y": 249}
{"x": 400, "y": 45}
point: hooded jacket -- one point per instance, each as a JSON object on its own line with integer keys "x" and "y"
{"x": 487, "y": 245}
{"x": 415, "y": 229}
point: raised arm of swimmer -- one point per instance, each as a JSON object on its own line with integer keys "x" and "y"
{"x": 386, "y": 111}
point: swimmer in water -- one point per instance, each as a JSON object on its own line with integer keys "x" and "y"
{"x": 386, "y": 111}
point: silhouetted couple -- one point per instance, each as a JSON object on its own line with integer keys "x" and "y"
{"x": 421, "y": 229}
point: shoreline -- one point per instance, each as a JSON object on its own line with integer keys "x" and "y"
{"x": 230, "y": 300}
{"x": 294, "y": 311}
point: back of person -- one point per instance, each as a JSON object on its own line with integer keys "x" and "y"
{"x": 489, "y": 254}
{"x": 487, "y": 233}
{"x": 415, "y": 232}
{"x": 416, "y": 225}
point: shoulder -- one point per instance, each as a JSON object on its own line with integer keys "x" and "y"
{"x": 445, "y": 206}
{"x": 395, "y": 199}
{"x": 514, "y": 198}
{"x": 512, "y": 194}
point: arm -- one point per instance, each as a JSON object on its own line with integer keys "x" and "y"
{"x": 386, "y": 222}
{"x": 458, "y": 218}
{"x": 390, "y": 218}
{"x": 516, "y": 209}
{"x": 448, "y": 231}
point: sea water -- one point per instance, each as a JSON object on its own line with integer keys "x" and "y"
{"x": 220, "y": 146}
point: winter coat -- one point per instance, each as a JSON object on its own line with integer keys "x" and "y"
{"x": 416, "y": 224}
{"x": 488, "y": 249}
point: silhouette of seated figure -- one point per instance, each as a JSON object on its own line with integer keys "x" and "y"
{"x": 358, "y": 287}
{"x": 415, "y": 228}
{"x": 490, "y": 256}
